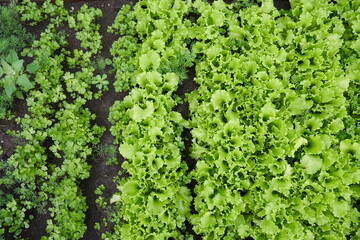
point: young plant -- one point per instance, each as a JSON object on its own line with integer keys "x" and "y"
{"x": 14, "y": 80}
{"x": 101, "y": 63}
{"x": 106, "y": 150}
{"x": 12, "y": 34}
{"x": 101, "y": 84}
{"x": 30, "y": 11}
{"x": 66, "y": 122}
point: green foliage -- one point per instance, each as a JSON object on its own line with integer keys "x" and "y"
{"x": 100, "y": 200}
{"x": 5, "y": 103}
{"x": 100, "y": 63}
{"x": 31, "y": 11}
{"x": 106, "y": 150}
{"x": 146, "y": 124}
{"x": 87, "y": 33}
{"x": 273, "y": 108}
{"x": 178, "y": 64}
{"x": 97, "y": 226}
{"x": 62, "y": 124}
{"x": 274, "y": 120}
{"x": 244, "y": 3}
{"x": 14, "y": 80}
{"x": 13, "y": 35}
{"x": 14, "y": 76}
{"x": 101, "y": 83}
{"x": 124, "y": 49}
{"x": 13, "y": 206}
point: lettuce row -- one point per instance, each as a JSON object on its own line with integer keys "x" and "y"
{"x": 350, "y": 52}
{"x": 148, "y": 23}
{"x": 348, "y": 11}
{"x": 153, "y": 201}
{"x": 266, "y": 120}
{"x": 57, "y": 133}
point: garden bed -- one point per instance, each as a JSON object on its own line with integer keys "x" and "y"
{"x": 102, "y": 173}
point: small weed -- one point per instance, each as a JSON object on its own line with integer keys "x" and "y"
{"x": 100, "y": 63}
{"x": 106, "y": 150}
{"x": 12, "y": 34}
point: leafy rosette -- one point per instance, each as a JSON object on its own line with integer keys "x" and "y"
{"x": 153, "y": 201}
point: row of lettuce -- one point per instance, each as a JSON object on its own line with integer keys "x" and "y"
{"x": 274, "y": 121}
{"x": 154, "y": 200}
{"x": 267, "y": 122}
{"x": 58, "y": 132}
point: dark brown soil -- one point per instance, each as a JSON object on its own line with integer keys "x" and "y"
{"x": 100, "y": 172}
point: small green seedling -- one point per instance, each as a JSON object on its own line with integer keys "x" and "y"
{"x": 14, "y": 79}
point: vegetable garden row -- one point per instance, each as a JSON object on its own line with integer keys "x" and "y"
{"x": 274, "y": 121}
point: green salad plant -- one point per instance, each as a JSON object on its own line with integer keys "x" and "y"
{"x": 274, "y": 122}
{"x": 274, "y": 119}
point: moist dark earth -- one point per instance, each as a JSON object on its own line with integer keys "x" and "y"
{"x": 100, "y": 172}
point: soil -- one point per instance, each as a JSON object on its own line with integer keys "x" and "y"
{"x": 100, "y": 172}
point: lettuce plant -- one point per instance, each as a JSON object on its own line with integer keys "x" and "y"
{"x": 153, "y": 201}
{"x": 272, "y": 132}
{"x": 265, "y": 123}
{"x": 274, "y": 121}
